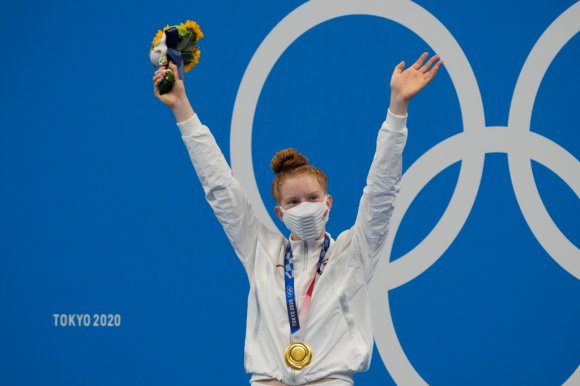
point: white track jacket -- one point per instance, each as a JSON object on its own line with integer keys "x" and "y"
{"x": 338, "y": 328}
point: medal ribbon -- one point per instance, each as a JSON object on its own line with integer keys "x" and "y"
{"x": 289, "y": 285}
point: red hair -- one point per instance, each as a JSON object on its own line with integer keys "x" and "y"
{"x": 289, "y": 163}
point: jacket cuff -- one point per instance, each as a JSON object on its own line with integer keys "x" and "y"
{"x": 190, "y": 126}
{"x": 397, "y": 122}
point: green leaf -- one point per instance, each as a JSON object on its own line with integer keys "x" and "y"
{"x": 187, "y": 56}
{"x": 184, "y": 41}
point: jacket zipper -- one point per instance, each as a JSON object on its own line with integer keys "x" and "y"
{"x": 305, "y": 257}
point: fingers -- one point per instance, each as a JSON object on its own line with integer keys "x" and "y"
{"x": 420, "y": 61}
{"x": 399, "y": 67}
{"x": 428, "y": 65}
{"x": 433, "y": 71}
{"x": 159, "y": 75}
{"x": 175, "y": 70}
{"x": 156, "y": 91}
{"x": 157, "y": 78}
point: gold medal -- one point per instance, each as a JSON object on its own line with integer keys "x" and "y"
{"x": 298, "y": 355}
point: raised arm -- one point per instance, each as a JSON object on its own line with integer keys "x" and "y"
{"x": 382, "y": 186}
{"x": 222, "y": 191}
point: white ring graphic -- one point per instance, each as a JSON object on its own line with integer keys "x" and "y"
{"x": 469, "y": 147}
{"x": 543, "y": 53}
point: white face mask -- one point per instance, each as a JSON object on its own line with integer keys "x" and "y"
{"x": 305, "y": 220}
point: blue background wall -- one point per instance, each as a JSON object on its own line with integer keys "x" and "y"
{"x": 101, "y": 212}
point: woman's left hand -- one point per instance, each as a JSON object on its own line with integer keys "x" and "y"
{"x": 406, "y": 84}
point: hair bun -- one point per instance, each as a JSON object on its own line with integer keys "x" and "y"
{"x": 287, "y": 159}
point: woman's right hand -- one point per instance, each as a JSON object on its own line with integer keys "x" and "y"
{"x": 176, "y": 99}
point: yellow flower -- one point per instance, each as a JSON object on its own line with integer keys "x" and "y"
{"x": 159, "y": 35}
{"x": 194, "y": 27}
{"x": 194, "y": 62}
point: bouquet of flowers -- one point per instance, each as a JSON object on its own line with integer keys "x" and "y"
{"x": 179, "y": 45}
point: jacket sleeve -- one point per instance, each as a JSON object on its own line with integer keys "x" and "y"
{"x": 222, "y": 191}
{"x": 382, "y": 186}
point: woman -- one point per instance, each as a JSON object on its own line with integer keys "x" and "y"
{"x": 308, "y": 319}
